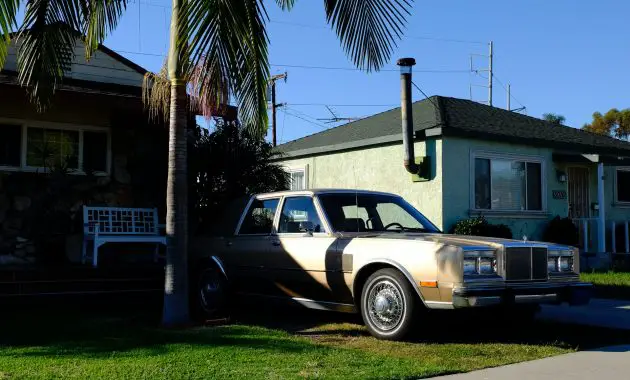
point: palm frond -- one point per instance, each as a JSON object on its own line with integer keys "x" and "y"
{"x": 156, "y": 94}
{"x": 228, "y": 41}
{"x": 368, "y": 29}
{"x": 45, "y": 48}
{"x": 101, "y": 18}
{"x": 49, "y": 34}
{"x": 8, "y": 23}
{"x": 285, "y": 4}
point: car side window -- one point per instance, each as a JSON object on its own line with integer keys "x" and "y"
{"x": 299, "y": 215}
{"x": 259, "y": 218}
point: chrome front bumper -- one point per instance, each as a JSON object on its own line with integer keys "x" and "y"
{"x": 574, "y": 293}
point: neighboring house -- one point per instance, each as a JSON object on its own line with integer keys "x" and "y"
{"x": 97, "y": 132}
{"x": 478, "y": 160}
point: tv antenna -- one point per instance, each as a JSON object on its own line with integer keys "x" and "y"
{"x": 335, "y": 118}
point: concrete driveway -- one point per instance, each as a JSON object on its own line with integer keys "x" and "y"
{"x": 599, "y": 312}
{"x": 604, "y": 363}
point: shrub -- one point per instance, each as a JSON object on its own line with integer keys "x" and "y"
{"x": 561, "y": 231}
{"x": 227, "y": 164}
{"x": 479, "y": 226}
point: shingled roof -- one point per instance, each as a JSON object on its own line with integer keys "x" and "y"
{"x": 444, "y": 116}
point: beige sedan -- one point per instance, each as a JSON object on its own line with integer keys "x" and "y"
{"x": 374, "y": 253}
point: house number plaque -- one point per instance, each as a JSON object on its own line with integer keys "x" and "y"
{"x": 559, "y": 194}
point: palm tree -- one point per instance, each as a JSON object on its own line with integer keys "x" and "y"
{"x": 224, "y": 41}
{"x": 554, "y": 118}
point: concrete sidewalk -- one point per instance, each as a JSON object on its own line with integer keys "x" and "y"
{"x": 604, "y": 363}
{"x": 599, "y": 312}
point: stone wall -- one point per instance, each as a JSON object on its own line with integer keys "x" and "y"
{"x": 38, "y": 212}
{"x": 41, "y": 219}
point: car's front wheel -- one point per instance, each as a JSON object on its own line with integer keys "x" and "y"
{"x": 388, "y": 305}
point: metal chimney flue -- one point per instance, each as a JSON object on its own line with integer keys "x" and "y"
{"x": 407, "y": 114}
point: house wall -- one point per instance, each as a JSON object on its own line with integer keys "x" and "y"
{"x": 101, "y": 67}
{"x": 40, "y": 214}
{"x": 379, "y": 168}
{"x": 457, "y": 181}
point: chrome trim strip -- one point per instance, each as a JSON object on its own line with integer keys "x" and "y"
{"x": 439, "y": 305}
{"x": 536, "y": 298}
{"x": 240, "y": 221}
{"x": 307, "y": 302}
{"x": 322, "y": 215}
{"x": 325, "y": 305}
{"x": 220, "y": 265}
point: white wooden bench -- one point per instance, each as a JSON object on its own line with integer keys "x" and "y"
{"x": 104, "y": 225}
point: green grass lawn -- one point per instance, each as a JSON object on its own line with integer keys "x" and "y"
{"x": 609, "y": 284}
{"x": 45, "y": 343}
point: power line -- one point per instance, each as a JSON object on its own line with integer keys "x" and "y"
{"x": 434, "y": 71}
{"x": 505, "y": 88}
{"x": 430, "y": 38}
{"x": 342, "y": 105}
{"x": 425, "y": 95}
{"x": 306, "y": 120}
{"x": 431, "y": 71}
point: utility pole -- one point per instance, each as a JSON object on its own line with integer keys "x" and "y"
{"x": 490, "y": 56}
{"x": 489, "y": 70}
{"x": 509, "y": 97}
{"x": 274, "y": 105}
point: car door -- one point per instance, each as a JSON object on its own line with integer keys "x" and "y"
{"x": 305, "y": 263}
{"x": 247, "y": 251}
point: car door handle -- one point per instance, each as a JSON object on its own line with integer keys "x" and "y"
{"x": 228, "y": 243}
{"x": 275, "y": 243}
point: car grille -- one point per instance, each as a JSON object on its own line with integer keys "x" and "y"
{"x": 525, "y": 263}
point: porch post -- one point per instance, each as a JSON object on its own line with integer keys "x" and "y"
{"x": 601, "y": 225}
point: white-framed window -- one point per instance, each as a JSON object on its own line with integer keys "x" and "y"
{"x": 504, "y": 182}
{"x": 298, "y": 178}
{"x": 622, "y": 185}
{"x": 40, "y": 146}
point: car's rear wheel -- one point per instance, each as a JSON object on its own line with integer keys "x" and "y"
{"x": 211, "y": 294}
{"x": 388, "y": 305}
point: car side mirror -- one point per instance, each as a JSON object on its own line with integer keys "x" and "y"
{"x": 307, "y": 227}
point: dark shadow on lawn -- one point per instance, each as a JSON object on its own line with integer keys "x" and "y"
{"x": 442, "y": 327}
{"x": 98, "y": 327}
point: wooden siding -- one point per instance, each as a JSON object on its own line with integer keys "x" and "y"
{"x": 100, "y": 68}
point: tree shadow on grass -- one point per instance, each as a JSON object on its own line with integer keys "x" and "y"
{"x": 96, "y": 329}
{"x": 79, "y": 329}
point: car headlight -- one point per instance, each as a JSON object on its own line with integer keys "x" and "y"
{"x": 552, "y": 264}
{"x": 560, "y": 261}
{"x": 479, "y": 263}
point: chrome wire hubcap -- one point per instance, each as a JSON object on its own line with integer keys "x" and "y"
{"x": 385, "y": 305}
{"x": 210, "y": 285}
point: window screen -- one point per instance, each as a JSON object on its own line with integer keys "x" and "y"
{"x": 623, "y": 186}
{"x": 10, "y": 145}
{"x": 94, "y": 151}
{"x": 503, "y": 184}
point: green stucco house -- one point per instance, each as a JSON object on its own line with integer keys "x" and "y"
{"x": 479, "y": 160}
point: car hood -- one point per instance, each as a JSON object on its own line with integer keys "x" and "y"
{"x": 454, "y": 240}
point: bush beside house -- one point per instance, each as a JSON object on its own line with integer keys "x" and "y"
{"x": 561, "y": 231}
{"x": 479, "y": 226}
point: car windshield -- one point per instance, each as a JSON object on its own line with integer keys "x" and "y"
{"x": 365, "y": 212}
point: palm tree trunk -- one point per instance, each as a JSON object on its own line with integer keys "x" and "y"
{"x": 176, "y": 277}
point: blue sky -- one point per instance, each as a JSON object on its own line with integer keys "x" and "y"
{"x": 565, "y": 56}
